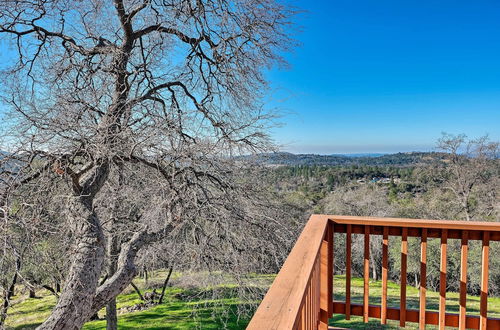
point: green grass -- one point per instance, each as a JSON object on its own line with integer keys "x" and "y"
{"x": 183, "y": 308}
{"x": 175, "y": 314}
{"x": 412, "y": 300}
{"x": 178, "y": 312}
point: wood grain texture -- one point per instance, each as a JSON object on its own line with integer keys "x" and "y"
{"x": 385, "y": 272}
{"x": 423, "y": 278}
{"x": 366, "y": 270}
{"x": 463, "y": 279}
{"x": 404, "y": 261}
{"x": 442, "y": 281}
{"x": 483, "y": 312}
{"x": 348, "y": 265}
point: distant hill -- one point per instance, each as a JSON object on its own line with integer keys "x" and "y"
{"x": 361, "y": 155}
{"x": 398, "y": 159}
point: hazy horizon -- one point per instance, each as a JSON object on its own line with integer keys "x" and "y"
{"x": 346, "y": 150}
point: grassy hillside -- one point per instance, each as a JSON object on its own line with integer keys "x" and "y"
{"x": 184, "y": 310}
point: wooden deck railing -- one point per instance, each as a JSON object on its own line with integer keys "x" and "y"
{"x": 301, "y": 295}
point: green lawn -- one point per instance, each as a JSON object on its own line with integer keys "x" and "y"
{"x": 183, "y": 308}
{"x": 393, "y": 289}
{"x": 178, "y": 312}
{"x": 412, "y": 300}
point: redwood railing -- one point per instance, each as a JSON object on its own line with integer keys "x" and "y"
{"x": 301, "y": 295}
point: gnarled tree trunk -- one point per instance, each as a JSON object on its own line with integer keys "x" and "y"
{"x": 111, "y": 316}
{"x": 73, "y": 308}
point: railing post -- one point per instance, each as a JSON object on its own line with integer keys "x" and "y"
{"x": 348, "y": 248}
{"x": 404, "y": 259}
{"x": 385, "y": 271}
{"x": 483, "y": 322}
{"x": 326, "y": 280}
{"x": 423, "y": 278}
{"x": 366, "y": 280}
{"x": 442, "y": 281}
{"x": 463, "y": 279}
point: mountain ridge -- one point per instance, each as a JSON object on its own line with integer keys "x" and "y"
{"x": 396, "y": 159}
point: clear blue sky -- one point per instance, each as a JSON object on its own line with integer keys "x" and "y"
{"x": 388, "y": 76}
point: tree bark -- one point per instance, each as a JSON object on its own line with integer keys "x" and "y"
{"x": 111, "y": 316}
{"x": 125, "y": 273}
{"x": 31, "y": 292}
{"x": 127, "y": 269}
{"x": 73, "y": 308}
{"x": 374, "y": 266}
{"x": 165, "y": 285}
{"x": 137, "y": 290}
{"x": 9, "y": 293}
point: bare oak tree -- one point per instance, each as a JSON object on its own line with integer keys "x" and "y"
{"x": 472, "y": 163}
{"x": 125, "y": 114}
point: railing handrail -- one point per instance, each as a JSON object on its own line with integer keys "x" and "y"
{"x": 300, "y": 298}
{"x": 416, "y": 223}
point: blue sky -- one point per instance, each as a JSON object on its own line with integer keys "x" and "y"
{"x": 389, "y": 76}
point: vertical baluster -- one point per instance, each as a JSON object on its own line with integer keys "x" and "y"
{"x": 423, "y": 277}
{"x": 484, "y": 281}
{"x": 331, "y": 270}
{"x": 313, "y": 298}
{"x": 313, "y": 317}
{"x": 315, "y": 295}
{"x": 306, "y": 307}
{"x": 348, "y": 266}
{"x": 326, "y": 278}
{"x": 463, "y": 278}
{"x": 309, "y": 313}
{"x": 385, "y": 264}
{"x": 318, "y": 290}
{"x": 366, "y": 286}
{"x": 303, "y": 316}
{"x": 442, "y": 284}
{"x": 404, "y": 258}
{"x": 318, "y": 286}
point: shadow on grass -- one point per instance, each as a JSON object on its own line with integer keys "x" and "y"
{"x": 26, "y": 326}
{"x": 178, "y": 314}
{"x": 356, "y": 322}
